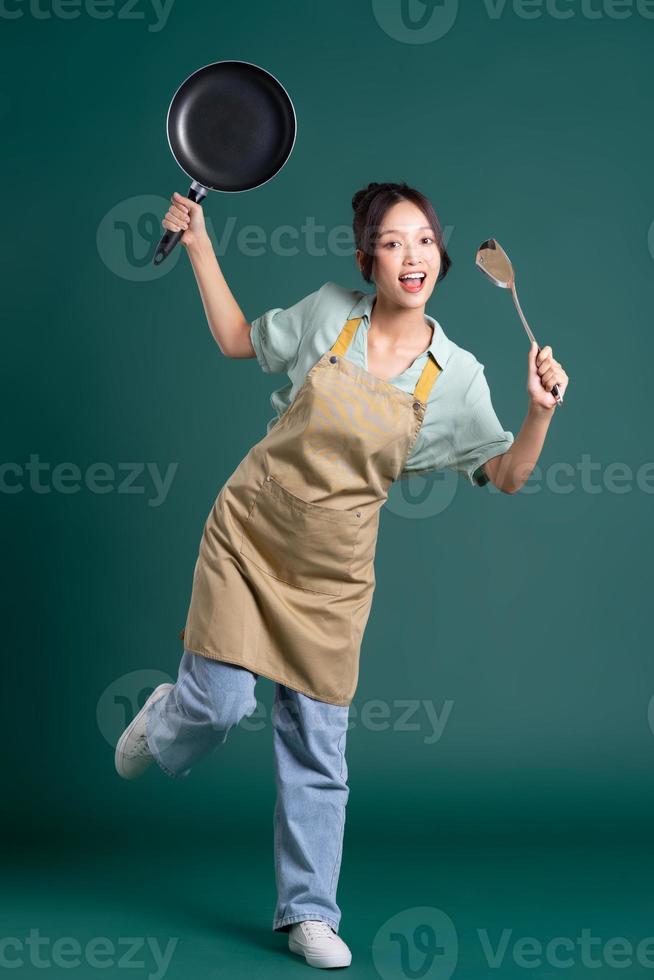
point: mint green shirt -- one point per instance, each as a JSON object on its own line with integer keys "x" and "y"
{"x": 460, "y": 430}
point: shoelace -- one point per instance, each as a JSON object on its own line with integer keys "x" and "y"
{"x": 141, "y": 747}
{"x": 317, "y": 929}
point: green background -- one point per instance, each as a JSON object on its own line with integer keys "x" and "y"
{"x": 526, "y": 617}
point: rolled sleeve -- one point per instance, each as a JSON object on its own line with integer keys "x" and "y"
{"x": 478, "y": 434}
{"x": 276, "y": 335}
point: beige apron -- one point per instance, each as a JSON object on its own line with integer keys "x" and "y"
{"x": 285, "y": 575}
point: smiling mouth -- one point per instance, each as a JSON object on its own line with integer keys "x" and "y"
{"x": 412, "y": 282}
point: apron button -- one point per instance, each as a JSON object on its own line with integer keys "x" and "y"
{"x": 268, "y": 478}
{"x": 416, "y": 404}
{"x": 358, "y": 513}
{"x": 333, "y": 359}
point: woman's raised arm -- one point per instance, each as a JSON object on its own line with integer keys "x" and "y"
{"x": 229, "y": 327}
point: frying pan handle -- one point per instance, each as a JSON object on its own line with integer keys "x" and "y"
{"x": 169, "y": 239}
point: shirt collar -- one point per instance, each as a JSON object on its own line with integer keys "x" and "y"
{"x": 440, "y": 347}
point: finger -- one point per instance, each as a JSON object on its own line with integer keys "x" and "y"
{"x": 551, "y": 379}
{"x": 544, "y": 367}
{"x": 182, "y": 222}
{"x": 177, "y": 213}
{"x": 533, "y": 350}
{"x": 172, "y": 225}
{"x": 545, "y": 352}
{"x": 175, "y": 216}
{"x": 182, "y": 201}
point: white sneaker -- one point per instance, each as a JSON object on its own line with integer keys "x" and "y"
{"x": 133, "y": 755}
{"x": 318, "y": 943}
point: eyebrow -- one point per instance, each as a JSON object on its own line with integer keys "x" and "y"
{"x": 397, "y": 231}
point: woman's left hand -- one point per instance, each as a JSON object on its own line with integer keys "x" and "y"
{"x": 544, "y": 372}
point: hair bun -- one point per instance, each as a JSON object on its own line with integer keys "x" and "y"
{"x": 362, "y": 194}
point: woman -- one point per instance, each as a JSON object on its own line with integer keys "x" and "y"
{"x": 284, "y": 578}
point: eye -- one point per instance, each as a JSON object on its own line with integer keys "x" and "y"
{"x": 425, "y": 239}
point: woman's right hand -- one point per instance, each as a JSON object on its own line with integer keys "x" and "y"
{"x": 187, "y": 216}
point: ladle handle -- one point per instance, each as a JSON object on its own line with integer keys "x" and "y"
{"x": 169, "y": 239}
{"x": 555, "y": 388}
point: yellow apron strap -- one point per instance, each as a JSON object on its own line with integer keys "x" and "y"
{"x": 426, "y": 380}
{"x": 345, "y": 336}
{"x": 429, "y": 373}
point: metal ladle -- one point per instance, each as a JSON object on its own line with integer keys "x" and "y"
{"x": 494, "y": 262}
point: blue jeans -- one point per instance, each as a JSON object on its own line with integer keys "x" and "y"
{"x": 209, "y": 697}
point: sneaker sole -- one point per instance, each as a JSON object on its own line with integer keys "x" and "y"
{"x": 118, "y": 755}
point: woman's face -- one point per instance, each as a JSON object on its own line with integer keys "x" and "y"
{"x": 406, "y": 244}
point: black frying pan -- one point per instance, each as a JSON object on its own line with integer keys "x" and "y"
{"x": 231, "y": 127}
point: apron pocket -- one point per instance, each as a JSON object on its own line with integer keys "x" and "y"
{"x": 300, "y": 543}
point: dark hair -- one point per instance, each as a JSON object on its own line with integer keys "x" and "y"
{"x": 371, "y": 204}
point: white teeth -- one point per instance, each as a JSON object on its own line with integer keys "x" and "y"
{"x": 413, "y": 275}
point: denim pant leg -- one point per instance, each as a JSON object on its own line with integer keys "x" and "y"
{"x": 311, "y": 775}
{"x": 209, "y": 698}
